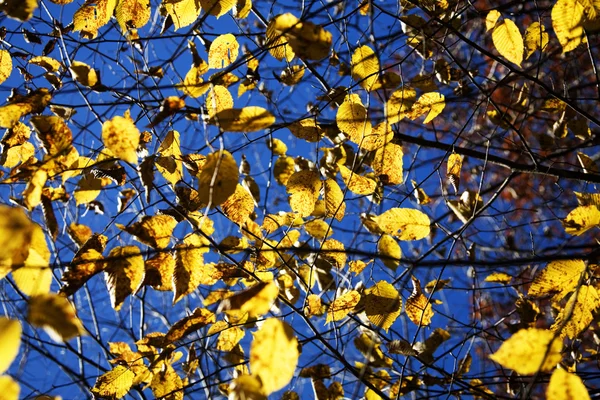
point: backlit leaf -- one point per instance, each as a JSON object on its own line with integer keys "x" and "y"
{"x": 91, "y": 17}
{"x": 529, "y": 351}
{"x": 124, "y": 273}
{"x": 154, "y": 231}
{"x": 454, "y": 166}
{"x": 334, "y": 252}
{"x": 9, "y": 388}
{"x": 132, "y": 13}
{"x": 84, "y": 74}
{"x": 342, "y": 306}
{"x": 193, "y": 84}
{"x": 274, "y": 354}
{"x": 169, "y": 163}
{"x": 183, "y": 13}
{"x": 387, "y": 164}
{"x": 239, "y": 205}
{"x": 404, "y": 223}
{"x": 10, "y": 341}
{"x": 351, "y": 118}
{"x": 399, "y": 103}
{"x": 190, "y": 269}
{"x": 217, "y": 7}
{"x": 308, "y": 40}
{"x": 491, "y": 18}
{"x": 307, "y": 129}
{"x": 536, "y": 38}
{"x": 508, "y": 41}
{"x": 218, "y": 99}
{"x": 566, "y": 386}
{"x": 247, "y": 119}
{"x": 390, "y": 250}
{"x": 19, "y": 10}
{"x": 365, "y": 67}
{"x": 223, "y": 51}
{"x": 56, "y": 315}
{"x": 115, "y": 383}
{"x": 432, "y": 104}
{"x": 560, "y": 277}
{"x": 356, "y": 183}
{"x": 6, "y": 65}
{"x": 53, "y": 132}
{"x": 582, "y": 219}
{"x": 567, "y": 21}
{"x": 35, "y": 276}
{"x": 122, "y": 137}
{"x": 577, "y": 314}
{"x": 418, "y": 307}
{"x": 382, "y": 304}
{"x": 334, "y": 199}
{"x": 218, "y": 179}
{"x": 292, "y": 75}
{"x": 167, "y": 384}
{"x": 87, "y": 262}
{"x": 498, "y": 277}
{"x": 255, "y": 301}
{"x": 200, "y": 318}
{"x": 303, "y": 188}
{"x": 159, "y": 271}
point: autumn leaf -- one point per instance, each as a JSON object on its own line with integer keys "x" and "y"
{"x": 559, "y": 278}
{"x": 9, "y": 388}
{"x": 84, "y": 74}
{"x": 432, "y": 104}
{"x": 387, "y": 164}
{"x": 167, "y": 384}
{"x": 183, "y": 13}
{"x": 566, "y": 385}
{"x": 19, "y": 10}
{"x": 491, "y": 19}
{"x": 342, "y": 306}
{"x": 303, "y": 188}
{"x": 35, "y": 276}
{"x": 115, "y": 383}
{"x": 508, "y": 41}
{"x": 239, "y": 206}
{"x": 365, "y": 67}
{"x": 121, "y": 136}
{"x": 418, "y": 307}
{"x": 274, "y": 354}
{"x": 536, "y": 38}
{"x": 529, "y": 351}
{"x": 247, "y": 119}
{"x": 159, "y": 271}
{"x": 217, "y": 7}
{"x": 124, "y": 273}
{"x": 201, "y": 317}
{"x": 453, "y": 169}
{"x": 351, "y": 118}
{"x": 255, "y": 301}
{"x": 10, "y": 341}
{"x": 382, "y": 304}
{"x": 404, "y": 223}
{"x": 567, "y": 21}
{"x": 306, "y": 39}
{"x": 218, "y": 179}
{"x": 154, "y": 231}
{"x": 132, "y": 13}
{"x": 6, "y": 65}
{"x": 56, "y": 315}
{"x": 356, "y": 183}
{"x": 190, "y": 268}
{"x": 582, "y": 219}
{"x": 577, "y": 314}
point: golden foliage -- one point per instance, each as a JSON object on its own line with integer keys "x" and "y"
{"x": 342, "y": 306}
{"x": 559, "y": 278}
{"x": 115, "y": 383}
{"x": 218, "y": 179}
{"x": 154, "y": 231}
{"x": 223, "y": 51}
{"x": 382, "y": 304}
{"x": 567, "y": 21}
{"x": 566, "y": 386}
{"x": 10, "y": 341}
{"x": 418, "y": 307}
{"x": 404, "y": 223}
{"x": 124, "y": 273}
{"x": 508, "y": 41}
{"x": 56, "y": 315}
{"x": 390, "y": 251}
{"x": 122, "y": 137}
{"x": 303, "y": 188}
{"x": 365, "y": 67}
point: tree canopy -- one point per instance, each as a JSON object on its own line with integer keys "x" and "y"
{"x": 340, "y": 199}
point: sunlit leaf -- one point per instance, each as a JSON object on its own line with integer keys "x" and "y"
{"x": 491, "y": 18}
{"x": 365, "y": 67}
{"x": 87, "y": 262}
{"x": 356, "y": 183}
{"x": 582, "y": 219}
{"x": 5, "y": 65}
{"x": 307, "y": 129}
{"x": 223, "y": 51}
{"x": 154, "y": 231}
{"x": 508, "y": 41}
{"x": 292, "y": 75}
{"x": 577, "y": 314}
{"x": 217, "y": 7}
{"x": 19, "y": 10}
{"x": 218, "y": 99}
{"x": 10, "y": 341}
{"x": 318, "y": 229}
{"x": 255, "y": 301}
{"x": 390, "y": 250}
{"x": 56, "y": 315}
{"x": 303, "y": 188}
{"x": 9, "y": 388}
{"x": 53, "y": 132}
{"x": 307, "y": 40}
{"x": 342, "y": 306}
{"x": 418, "y": 307}
{"x": 560, "y": 277}
{"x": 35, "y": 102}
{"x": 567, "y": 21}
{"x": 91, "y": 17}
{"x": 218, "y": 179}
{"x": 432, "y": 104}
{"x": 399, "y": 104}
{"x": 159, "y": 271}
{"x": 201, "y": 317}
{"x": 382, "y": 304}
{"x": 169, "y": 163}
{"x": 84, "y": 74}
{"x": 35, "y": 275}
{"x": 239, "y": 205}
{"x": 404, "y": 223}
{"x": 115, "y": 383}
{"x": 167, "y": 384}
{"x": 122, "y": 137}
{"x": 566, "y": 386}
{"x": 387, "y": 164}
{"x": 334, "y": 252}
{"x": 183, "y": 13}
{"x": 453, "y": 169}
{"x": 274, "y": 354}
{"x": 124, "y": 273}
{"x": 132, "y": 13}
{"x": 193, "y": 84}
{"x": 351, "y": 118}
{"x": 247, "y": 119}
{"x": 190, "y": 269}
{"x": 536, "y": 38}
{"x": 498, "y": 277}
{"x": 529, "y": 351}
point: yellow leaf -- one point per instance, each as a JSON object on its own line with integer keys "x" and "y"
{"x": 19, "y": 10}
{"x": 223, "y": 51}
{"x": 499, "y": 277}
{"x": 247, "y": 119}
{"x": 217, "y": 7}
{"x": 122, "y": 137}
{"x": 588, "y": 165}
{"x": 48, "y": 63}
{"x": 32, "y": 195}
{"x": 242, "y": 9}
{"x": 92, "y": 16}
{"x": 88, "y": 188}
{"x": 193, "y": 85}
{"x": 566, "y": 386}
{"x": 560, "y": 277}
{"x": 413, "y": 224}
{"x": 292, "y": 75}
{"x": 399, "y": 104}
{"x": 167, "y": 384}
{"x": 255, "y": 301}
{"x": 318, "y": 229}
{"x": 56, "y": 315}
{"x": 491, "y": 18}
{"x": 342, "y": 305}
{"x": 387, "y": 164}
{"x": 154, "y": 231}
{"x": 333, "y": 252}
{"x": 84, "y": 74}
{"x": 200, "y": 318}
{"x": 9, "y": 388}
{"x": 432, "y": 103}
{"x": 35, "y": 276}
{"x": 454, "y": 166}
{"x": 356, "y": 183}
{"x": 239, "y": 206}
{"x": 218, "y": 179}
{"x": 132, "y": 13}
{"x": 283, "y": 169}
{"x": 382, "y": 304}
{"x": 18, "y": 154}
{"x": 351, "y": 118}
{"x": 159, "y": 272}
{"x": 35, "y": 102}
{"x": 190, "y": 270}
{"x": 365, "y": 67}
{"x": 169, "y": 163}
{"x": 567, "y": 20}
{"x": 529, "y": 351}
{"x": 124, "y": 273}
{"x": 218, "y": 99}
{"x": 420, "y": 194}
{"x": 307, "y": 129}
{"x": 371, "y": 350}
{"x": 10, "y": 341}
{"x": 536, "y": 38}
{"x": 303, "y": 188}
{"x": 334, "y": 199}
{"x": 390, "y": 250}
{"x": 246, "y": 387}
{"x": 183, "y": 13}
{"x": 508, "y": 41}
{"x": 115, "y": 383}
{"x": 277, "y": 43}
{"x": 229, "y": 338}
{"x": 418, "y": 308}
{"x": 307, "y": 40}
{"x": 426, "y": 349}
{"x": 274, "y": 354}
{"x": 577, "y": 314}
{"x": 582, "y": 219}
{"x": 53, "y": 132}
{"x": 5, "y": 65}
